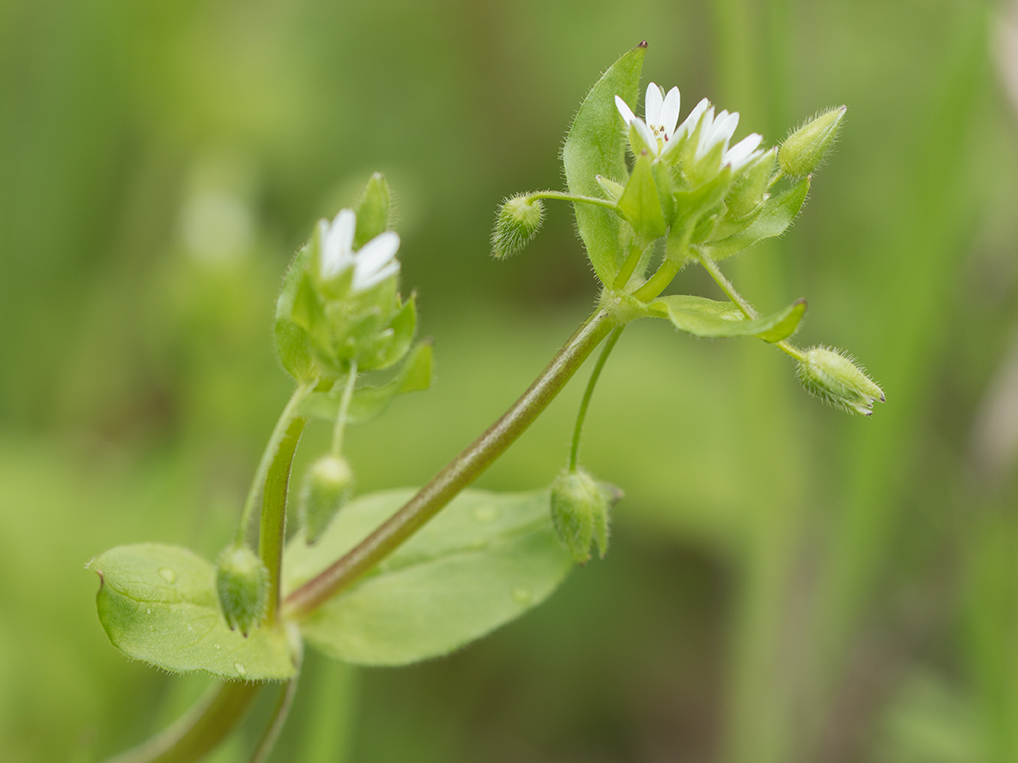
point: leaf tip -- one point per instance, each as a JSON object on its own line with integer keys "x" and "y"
{"x": 643, "y": 44}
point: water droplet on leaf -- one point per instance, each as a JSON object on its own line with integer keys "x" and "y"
{"x": 241, "y": 670}
{"x": 486, "y": 513}
{"x": 522, "y": 595}
{"x": 168, "y": 575}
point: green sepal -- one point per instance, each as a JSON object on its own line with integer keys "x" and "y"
{"x": 293, "y": 346}
{"x": 640, "y": 204}
{"x": 707, "y": 318}
{"x": 595, "y": 146}
{"x": 750, "y": 185}
{"x": 777, "y": 214}
{"x": 392, "y": 344}
{"x": 158, "y": 603}
{"x": 483, "y": 561}
{"x": 695, "y": 206}
{"x": 372, "y": 211}
{"x": 414, "y": 375}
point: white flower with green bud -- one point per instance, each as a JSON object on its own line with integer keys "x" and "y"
{"x": 662, "y": 115}
{"x": 834, "y": 378}
{"x": 242, "y": 583}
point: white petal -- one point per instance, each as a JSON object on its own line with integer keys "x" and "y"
{"x": 652, "y": 105}
{"x": 627, "y": 113}
{"x": 705, "y": 132}
{"x": 739, "y": 154}
{"x": 649, "y": 138}
{"x": 724, "y": 129}
{"x": 331, "y": 255}
{"x": 343, "y": 227}
{"x": 377, "y": 253}
{"x": 692, "y": 120}
{"x": 670, "y": 112}
{"x": 365, "y": 280}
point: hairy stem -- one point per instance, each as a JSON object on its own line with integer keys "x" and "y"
{"x": 271, "y": 447}
{"x": 574, "y": 451}
{"x": 559, "y": 196}
{"x": 272, "y": 529}
{"x": 207, "y": 724}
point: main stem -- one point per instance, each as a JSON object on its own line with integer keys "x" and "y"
{"x": 459, "y": 473}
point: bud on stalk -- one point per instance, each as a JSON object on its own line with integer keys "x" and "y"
{"x": 327, "y": 487}
{"x": 805, "y": 148}
{"x": 835, "y": 379}
{"x": 242, "y": 582}
{"x": 519, "y": 218}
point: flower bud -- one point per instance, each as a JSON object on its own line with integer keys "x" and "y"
{"x": 835, "y": 379}
{"x": 327, "y": 487}
{"x": 242, "y": 582}
{"x": 519, "y": 219}
{"x": 579, "y": 512}
{"x": 805, "y": 148}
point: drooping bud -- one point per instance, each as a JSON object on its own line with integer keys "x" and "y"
{"x": 835, "y": 379}
{"x": 242, "y": 582}
{"x": 805, "y": 148}
{"x": 519, "y": 218}
{"x": 579, "y": 512}
{"x": 327, "y": 487}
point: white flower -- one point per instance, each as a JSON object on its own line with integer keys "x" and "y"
{"x": 662, "y": 114}
{"x": 375, "y": 261}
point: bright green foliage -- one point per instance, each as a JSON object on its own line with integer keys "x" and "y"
{"x": 373, "y": 210}
{"x": 777, "y": 214}
{"x": 805, "y": 149}
{"x": 579, "y": 512}
{"x": 327, "y": 486}
{"x": 242, "y": 585}
{"x": 595, "y": 147}
{"x": 414, "y": 375}
{"x": 484, "y": 560}
{"x": 836, "y": 379}
{"x": 517, "y": 222}
{"x": 705, "y": 317}
{"x": 158, "y": 603}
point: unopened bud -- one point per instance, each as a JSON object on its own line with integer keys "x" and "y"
{"x": 242, "y": 582}
{"x": 519, "y": 218}
{"x": 579, "y": 512}
{"x": 835, "y": 379}
{"x": 327, "y": 486}
{"x": 750, "y": 189}
{"x": 805, "y": 148}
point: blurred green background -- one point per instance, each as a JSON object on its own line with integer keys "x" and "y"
{"x": 784, "y": 584}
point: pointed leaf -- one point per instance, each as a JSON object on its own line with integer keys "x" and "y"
{"x": 707, "y": 318}
{"x": 158, "y": 603}
{"x": 485, "y": 560}
{"x": 595, "y": 146}
{"x": 777, "y": 214}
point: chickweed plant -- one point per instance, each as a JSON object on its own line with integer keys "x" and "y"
{"x": 400, "y": 576}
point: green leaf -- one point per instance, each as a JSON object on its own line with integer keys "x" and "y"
{"x": 158, "y": 603}
{"x": 640, "y": 204}
{"x": 595, "y": 146}
{"x": 778, "y": 213}
{"x": 484, "y": 560}
{"x": 707, "y": 318}
{"x": 415, "y": 375}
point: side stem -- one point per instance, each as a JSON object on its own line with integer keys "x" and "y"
{"x": 574, "y": 451}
